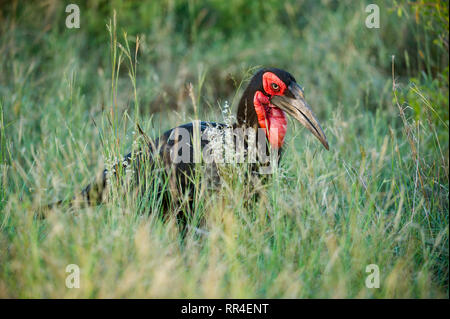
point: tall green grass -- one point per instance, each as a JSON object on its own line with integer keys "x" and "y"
{"x": 70, "y": 101}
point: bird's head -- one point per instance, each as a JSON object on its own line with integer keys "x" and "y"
{"x": 270, "y": 95}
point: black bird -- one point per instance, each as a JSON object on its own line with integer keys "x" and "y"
{"x": 271, "y": 94}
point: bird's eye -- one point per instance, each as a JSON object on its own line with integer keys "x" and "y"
{"x": 275, "y": 86}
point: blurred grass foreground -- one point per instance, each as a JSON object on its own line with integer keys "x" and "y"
{"x": 69, "y": 98}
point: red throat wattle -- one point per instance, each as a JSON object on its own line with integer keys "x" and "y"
{"x": 271, "y": 119}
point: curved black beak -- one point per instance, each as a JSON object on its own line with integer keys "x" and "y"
{"x": 297, "y": 107}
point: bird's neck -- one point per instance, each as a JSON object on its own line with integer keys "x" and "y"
{"x": 273, "y": 121}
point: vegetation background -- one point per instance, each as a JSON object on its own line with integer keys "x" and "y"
{"x": 69, "y": 99}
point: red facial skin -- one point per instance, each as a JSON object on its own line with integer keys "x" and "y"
{"x": 270, "y": 117}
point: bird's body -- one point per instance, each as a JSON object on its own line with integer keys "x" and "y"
{"x": 270, "y": 95}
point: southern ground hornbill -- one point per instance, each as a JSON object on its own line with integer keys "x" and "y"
{"x": 271, "y": 94}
